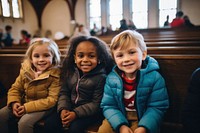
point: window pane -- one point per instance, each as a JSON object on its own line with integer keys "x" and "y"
{"x": 95, "y": 13}
{"x": 96, "y": 21}
{"x": 6, "y": 8}
{"x": 167, "y": 7}
{"x": 15, "y": 8}
{"x": 167, "y": 4}
{"x": 140, "y": 13}
{"x": 115, "y": 7}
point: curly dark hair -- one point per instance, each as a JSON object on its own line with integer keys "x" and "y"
{"x": 103, "y": 54}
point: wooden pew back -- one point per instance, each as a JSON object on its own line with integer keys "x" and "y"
{"x": 176, "y": 69}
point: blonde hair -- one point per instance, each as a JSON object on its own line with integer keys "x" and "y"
{"x": 41, "y": 41}
{"x": 127, "y": 37}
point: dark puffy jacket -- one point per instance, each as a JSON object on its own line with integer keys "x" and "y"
{"x": 83, "y": 94}
{"x": 191, "y": 109}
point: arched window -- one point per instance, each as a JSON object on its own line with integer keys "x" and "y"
{"x": 140, "y": 13}
{"x": 95, "y": 13}
{"x": 167, "y": 7}
{"x": 115, "y": 13}
{"x": 11, "y": 9}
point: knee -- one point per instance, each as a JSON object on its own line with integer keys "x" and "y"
{"x": 24, "y": 123}
{"x": 4, "y": 114}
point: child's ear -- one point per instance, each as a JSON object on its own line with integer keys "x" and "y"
{"x": 144, "y": 55}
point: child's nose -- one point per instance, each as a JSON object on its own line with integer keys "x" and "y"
{"x": 126, "y": 58}
{"x": 85, "y": 58}
{"x": 41, "y": 58}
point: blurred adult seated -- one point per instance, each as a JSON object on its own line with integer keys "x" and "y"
{"x": 7, "y": 37}
{"x": 187, "y": 21}
{"x": 166, "y": 23}
{"x": 95, "y": 31}
{"x": 25, "y": 38}
{"x": 178, "y": 21}
{"x": 81, "y": 30}
{"x": 123, "y": 25}
{"x": 131, "y": 25}
{"x": 48, "y": 34}
{"x": 191, "y": 110}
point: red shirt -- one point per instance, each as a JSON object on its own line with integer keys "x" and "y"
{"x": 177, "y": 22}
{"x": 129, "y": 93}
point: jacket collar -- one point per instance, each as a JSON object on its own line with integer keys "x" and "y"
{"x": 29, "y": 72}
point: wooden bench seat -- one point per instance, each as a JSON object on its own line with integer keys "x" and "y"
{"x": 23, "y": 51}
{"x": 173, "y": 50}
{"x": 171, "y": 39}
{"x": 175, "y": 68}
{"x": 162, "y": 34}
{"x": 173, "y": 43}
{"x": 151, "y": 50}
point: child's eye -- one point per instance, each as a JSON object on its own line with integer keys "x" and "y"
{"x": 91, "y": 56}
{"x": 36, "y": 56}
{"x": 119, "y": 55}
{"x": 131, "y": 52}
{"x": 80, "y": 55}
{"x": 47, "y": 55}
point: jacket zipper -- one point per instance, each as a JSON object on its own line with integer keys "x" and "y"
{"x": 77, "y": 93}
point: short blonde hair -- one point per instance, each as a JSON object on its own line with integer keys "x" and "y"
{"x": 41, "y": 41}
{"x": 127, "y": 37}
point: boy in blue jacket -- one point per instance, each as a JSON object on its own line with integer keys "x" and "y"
{"x": 135, "y": 95}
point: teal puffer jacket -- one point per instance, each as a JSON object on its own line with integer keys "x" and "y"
{"x": 151, "y": 100}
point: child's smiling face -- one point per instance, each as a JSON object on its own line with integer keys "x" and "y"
{"x": 41, "y": 58}
{"x": 129, "y": 59}
{"x": 86, "y": 56}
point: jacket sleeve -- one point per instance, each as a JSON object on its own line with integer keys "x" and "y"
{"x": 157, "y": 104}
{"x": 111, "y": 103}
{"x": 49, "y": 101}
{"x": 64, "y": 101}
{"x": 16, "y": 91}
{"x": 92, "y": 107}
{"x": 191, "y": 108}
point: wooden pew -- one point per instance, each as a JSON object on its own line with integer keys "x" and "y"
{"x": 175, "y": 68}
{"x": 161, "y": 39}
{"x": 151, "y": 50}
{"x": 163, "y": 34}
{"x": 23, "y": 51}
{"x": 174, "y": 50}
{"x": 12, "y": 51}
{"x": 173, "y": 43}
{"x": 16, "y": 47}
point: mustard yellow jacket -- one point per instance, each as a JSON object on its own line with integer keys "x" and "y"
{"x": 35, "y": 94}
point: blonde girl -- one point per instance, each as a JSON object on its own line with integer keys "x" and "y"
{"x": 35, "y": 91}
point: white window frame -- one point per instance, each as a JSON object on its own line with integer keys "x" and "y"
{"x": 14, "y": 11}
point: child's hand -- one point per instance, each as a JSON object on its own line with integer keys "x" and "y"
{"x": 63, "y": 113}
{"x": 140, "y": 130}
{"x": 71, "y": 116}
{"x": 21, "y": 111}
{"x": 67, "y": 117}
{"x": 63, "y": 117}
{"x": 125, "y": 129}
{"x": 15, "y": 109}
